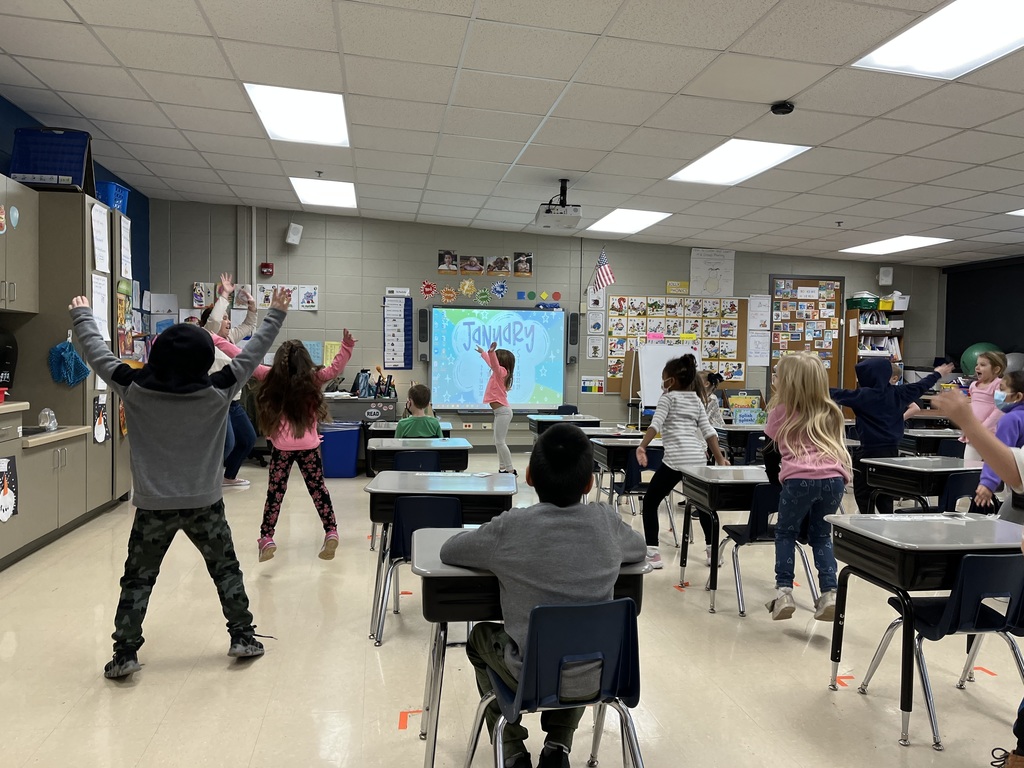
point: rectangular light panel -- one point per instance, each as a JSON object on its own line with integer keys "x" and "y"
{"x": 305, "y": 117}
{"x": 737, "y": 160}
{"x": 896, "y": 244}
{"x": 336, "y": 194}
{"x": 627, "y": 221}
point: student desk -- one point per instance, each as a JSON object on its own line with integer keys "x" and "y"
{"x": 925, "y": 420}
{"x": 451, "y": 593}
{"x": 714, "y": 490}
{"x": 453, "y": 451}
{"x": 483, "y": 496}
{"x": 906, "y": 553}
{"x": 611, "y": 454}
{"x": 915, "y": 477}
{"x": 387, "y": 428}
{"x": 733, "y": 438}
{"x": 925, "y": 442}
{"x": 541, "y": 421}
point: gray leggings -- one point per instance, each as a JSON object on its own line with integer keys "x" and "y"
{"x": 502, "y": 418}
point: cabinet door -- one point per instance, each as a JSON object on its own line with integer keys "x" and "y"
{"x": 4, "y": 230}
{"x": 22, "y": 248}
{"x": 37, "y": 496}
{"x": 72, "y": 482}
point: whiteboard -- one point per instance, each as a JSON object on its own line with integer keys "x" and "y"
{"x": 653, "y": 358}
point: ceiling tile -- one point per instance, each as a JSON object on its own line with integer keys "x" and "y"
{"x": 53, "y": 40}
{"x": 215, "y": 121}
{"x": 1002, "y": 74}
{"x": 645, "y": 66}
{"x": 984, "y": 178}
{"x": 753, "y": 78}
{"x": 819, "y": 203}
{"x": 695, "y": 23}
{"x": 721, "y": 210}
{"x": 528, "y": 51}
{"x": 264, "y": 195}
{"x": 646, "y": 166}
{"x": 285, "y": 67}
{"x": 36, "y": 101}
{"x": 615, "y": 200}
{"x": 390, "y": 193}
{"x": 678, "y": 190}
{"x": 925, "y": 194}
{"x": 487, "y": 124}
{"x": 264, "y": 180}
{"x": 312, "y": 153}
{"x": 75, "y": 123}
{"x": 133, "y": 111}
{"x": 144, "y": 134}
{"x": 391, "y": 161}
{"x": 574, "y": 15}
{"x": 202, "y": 187}
{"x": 711, "y": 116}
{"x": 582, "y": 134}
{"x": 57, "y": 10}
{"x": 454, "y": 198}
{"x": 505, "y": 93}
{"x": 876, "y": 209}
{"x": 602, "y": 182}
{"x": 169, "y": 155}
{"x": 108, "y": 148}
{"x": 392, "y": 139}
{"x": 863, "y": 92}
{"x": 993, "y": 202}
{"x": 452, "y": 184}
{"x": 85, "y": 78}
{"x": 663, "y": 143}
{"x": 842, "y": 224}
{"x": 1016, "y": 162}
{"x": 208, "y": 92}
{"x": 757, "y": 197}
{"x": 392, "y": 113}
{"x": 470, "y": 148}
{"x": 962, "y": 106}
{"x": 829, "y": 160}
{"x": 913, "y": 169}
{"x": 12, "y": 73}
{"x": 165, "y": 171}
{"x": 892, "y": 136}
{"x": 263, "y": 165}
{"x": 789, "y": 181}
{"x": 566, "y": 158}
{"x": 303, "y": 170}
{"x": 473, "y": 169}
{"x": 974, "y": 147}
{"x": 181, "y": 16}
{"x": 122, "y": 166}
{"x": 650, "y": 203}
{"x": 398, "y": 79}
{"x": 387, "y": 204}
{"x": 1012, "y": 125}
{"x": 804, "y": 128}
{"x": 229, "y": 145}
{"x": 821, "y": 30}
{"x": 614, "y": 105}
{"x": 547, "y": 178}
{"x": 999, "y": 221}
{"x": 434, "y": 209}
{"x": 753, "y": 227}
{"x": 166, "y": 52}
{"x": 294, "y": 23}
{"x": 687, "y": 221}
{"x": 939, "y": 215}
{"x": 426, "y": 38}
{"x": 868, "y": 189}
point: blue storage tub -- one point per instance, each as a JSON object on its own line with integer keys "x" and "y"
{"x": 112, "y": 195}
{"x": 51, "y": 157}
{"x": 341, "y": 447}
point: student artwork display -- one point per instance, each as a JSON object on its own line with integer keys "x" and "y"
{"x": 713, "y": 328}
{"x": 305, "y": 298}
{"x": 447, "y": 263}
{"x": 522, "y": 264}
{"x": 595, "y": 347}
{"x": 125, "y": 327}
{"x": 203, "y": 294}
{"x": 241, "y": 296}
{"x": 804, "y": 319}
{"x": 711, "y": 271}
{"x": 100, "y": 419}
{"x": 309, "y": 297}
{"x": 499, "y": 266}
{"x": 8, "y": 488}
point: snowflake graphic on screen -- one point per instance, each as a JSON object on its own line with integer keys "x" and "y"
{"x": 467, "y": 287}
{"x": 449, "y": 295}
{"x": 500, "y": 288}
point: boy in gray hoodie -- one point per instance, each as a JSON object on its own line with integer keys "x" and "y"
{"x": 177, "y": 477}
{"x": 559, "y": 551}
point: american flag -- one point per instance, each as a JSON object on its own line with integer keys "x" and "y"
{"x": 603, "y": 275}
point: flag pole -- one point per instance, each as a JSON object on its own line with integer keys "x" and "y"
{"x": 593, "y": 271}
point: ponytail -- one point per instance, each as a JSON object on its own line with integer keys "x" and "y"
{"x": 683, "y": 372}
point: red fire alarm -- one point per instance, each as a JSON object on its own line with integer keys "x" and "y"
{"x": 267, "y": 269}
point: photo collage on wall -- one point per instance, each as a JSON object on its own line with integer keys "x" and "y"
{"x": 464, "y": 271}
{"x": 805, "y": 318}
{"x": 712, "y": 329}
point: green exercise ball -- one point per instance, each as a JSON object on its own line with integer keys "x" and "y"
{"x": 970, "y": 356}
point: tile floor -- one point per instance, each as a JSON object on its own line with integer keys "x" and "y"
{"x": 718, "y": 690}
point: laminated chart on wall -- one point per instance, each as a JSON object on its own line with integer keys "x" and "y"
{"x": 806, "y": 310}
{"x": 397, "y": 332}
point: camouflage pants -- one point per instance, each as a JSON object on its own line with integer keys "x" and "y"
{"x": 152, "y": 533}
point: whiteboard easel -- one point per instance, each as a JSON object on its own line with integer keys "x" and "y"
{"x": 653, "y": 358}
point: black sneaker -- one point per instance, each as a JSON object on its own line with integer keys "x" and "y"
{"x": 553, "y": 756}
{"x": 245, "y": 646}
{"x": 522, "y": 760}
{"x": 123, "y": 664}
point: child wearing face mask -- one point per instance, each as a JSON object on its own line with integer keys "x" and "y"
{"x": 989, "y": 369}
{"x": 1009, "y": 399}
{"x": 687, "y": 435}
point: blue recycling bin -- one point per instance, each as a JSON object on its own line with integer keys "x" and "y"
{"x": 341, "y": 447}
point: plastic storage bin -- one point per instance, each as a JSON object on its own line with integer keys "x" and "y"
{"x": 53, "y": 158}
{"x": 862, "y": 302}
{"x": 341, "y": 448}
{"x": 112, "y": 195}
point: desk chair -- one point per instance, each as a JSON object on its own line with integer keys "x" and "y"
{"x": 590, "y": 650}
{"x": 411, "y": 461}
{"x": 980, "y": 578}
{"x": 960, "y": 485}
{"x": 755, "y": 444}
{"x": 567, "y": 410}
{"x": 411, "y": 514}
{"x": 952, "y": 447}
{"x": 759, "y": 530}
{"x": 633, "y": 486}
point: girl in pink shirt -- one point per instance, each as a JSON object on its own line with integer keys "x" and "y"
{"x": 502, "y": 364}
{"x": 988, "y": 369}
{"x": 289, "y": 404}
{"x": 807, "y": 429}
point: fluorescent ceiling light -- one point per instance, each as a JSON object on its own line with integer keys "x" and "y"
{"x": 737, "y": 160}
{"x": 627, "y": 221}
{"x": 307, "y": 117}
{"x": 336, "y": 194}
{"x": 1016, "y": 213}
{"x": 958, "y": 39}
{"x": 897, "y": 244}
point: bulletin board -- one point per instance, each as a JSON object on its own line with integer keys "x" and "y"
{"x": 806, "y": 313}
{"x": 714, "y": 329}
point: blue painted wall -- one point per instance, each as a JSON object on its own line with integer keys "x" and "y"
{"x": 11, "y": 118}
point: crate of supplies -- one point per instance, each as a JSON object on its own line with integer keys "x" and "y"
{"x": 112, "y": 195}
{"x": 53, "y": 158}
{"x": 341, "y": 447}
{"x": 862, "y": 300}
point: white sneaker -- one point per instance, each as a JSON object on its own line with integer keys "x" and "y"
{"x": 707, "y": 557}
{"x": 654, "y": 559}
{"x": 782, "y": 606}
{"x": 825, "y": 609}
{"x": 234, "y": 482}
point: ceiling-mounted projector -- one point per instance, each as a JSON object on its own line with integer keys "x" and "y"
{"x": 559, "y": 215}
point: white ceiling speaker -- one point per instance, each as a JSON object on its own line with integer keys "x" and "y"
{"x": 885, "y": 275}
{"x": 294, "y": 234}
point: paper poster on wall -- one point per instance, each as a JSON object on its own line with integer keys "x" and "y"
{"x": 595, "y": 297}
{"x": 243, "y": 292}
{"x": 499, "y": 266}
{"x": 595, "y": 322}
{"x": 293, "y": 294}
{"x": 471, "y": 265}
{"x": 161, "y": 321}
{"x": 264, "y": 295}
{"x": 8, "y": 488}
{"x": 125, "y": 329}
{"x": 595, "y": 347}
{"x": 759, "y": 314}
{"x": 591, "y": 385}
{"x": 122, "y": 419}
{"x": 100, "y": 419}
{"x": 677, "y": 287}
{"x": 100, "y": 239}
{"x": 190, "y": 316}
{"x": 617, "y": 306}
{"x": 712, "y": 271}
{"x": 309, "y": 297}
{"x": 101, "y": 304}
{"x": 126, "y": 248}
{"x": 522, "y": 264}
{"x": 807, "y": 292}
{"x": 316, "y": 351}
{"x": 759, "y": 347}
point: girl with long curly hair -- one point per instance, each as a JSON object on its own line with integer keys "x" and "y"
{"x": 289, "y": 404}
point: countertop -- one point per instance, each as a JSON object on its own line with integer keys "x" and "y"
{"x": 13, "y": 406}
{"x": 61, "y": 433}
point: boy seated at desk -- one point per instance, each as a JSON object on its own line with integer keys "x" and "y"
{"x": 880, "y": 405}
{"x": 560, "y": 551}
{"x": 418, "y": 424}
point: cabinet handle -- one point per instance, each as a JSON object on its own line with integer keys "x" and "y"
{"x": 63, "y": 457}
{"x": 5, "y": 429}
{"x": 3, "y": 290}
{"x": 12, "y": 292}
{"x": 56, "y": 459}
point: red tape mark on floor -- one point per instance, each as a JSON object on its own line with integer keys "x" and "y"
{"x": 403, "y": 718}
{"x": 986, "y": 671}
{"x": 841, "y": 680}
{"x": 405, "y": 592}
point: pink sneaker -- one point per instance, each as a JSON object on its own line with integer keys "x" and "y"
{"x": 329, "y": 547}
{"x": 267, "y": 547}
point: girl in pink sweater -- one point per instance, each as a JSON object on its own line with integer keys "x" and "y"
{"x": 989, "y": 370}
{"x": 290, "y": 403}
{"x": 502, "y": 364}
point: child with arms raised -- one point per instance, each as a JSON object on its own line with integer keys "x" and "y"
{"x": 502, "y": 364}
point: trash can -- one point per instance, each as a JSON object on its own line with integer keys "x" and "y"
{"x": 341, "y": 447}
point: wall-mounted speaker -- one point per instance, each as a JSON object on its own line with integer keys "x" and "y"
{"x": 885, "y": 275}
{"x": 423, "y": 336}
{"x": 294, "y": 234}
{"x": 572, "y": 339}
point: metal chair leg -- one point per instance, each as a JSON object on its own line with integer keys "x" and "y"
{"x": 382, "y": 607}
{"x": 499, "y": 741}
{"x": 883, "y": 646}
{"x": 740, "y": 603}
{"x": 632, "y": 503}
{"x": 929, "y": 700}
{"x": 1018, "y": 659}
{"x": 397, "y": 591}
{"x": 373, "y": 534}
{"x": 599, "y": 713}
{"x": 811, "y": 581}
{"x": 672, "y": 522}
{"x": 629, "y": 736}
{"x": 478, "y": 725}
{"x": 967, "y": 675}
